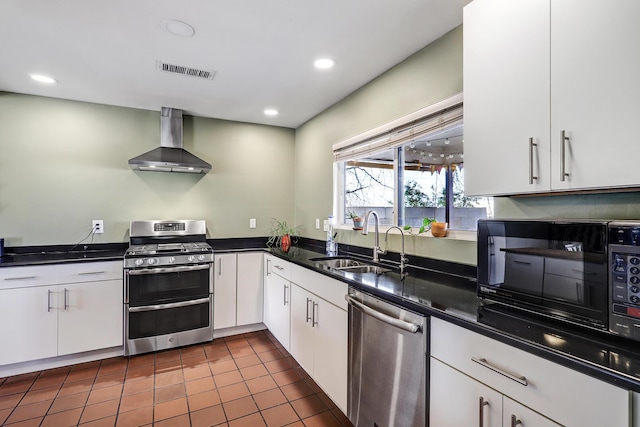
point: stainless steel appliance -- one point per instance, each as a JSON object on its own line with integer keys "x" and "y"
{"x": 555, "y": 268}
{"x": 624, "y": 279}
{"x": 168, "y": 278}
{"x": 387, "y": 364}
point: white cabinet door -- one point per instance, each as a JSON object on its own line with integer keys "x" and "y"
{"x": 506, "y": 96}
{"x": 29, "y": 326}
{"x": 224, "y": 292}
{"x": 458, "y": 400}
{"x": 303, "y": 340}
{"x": 250, "y": 288}
{"x": 330, "y": 356}
{"x": 89, "y": 316}
{"x": 277, "y": 307}
{"x": 595, "y": 64}
{"x": 517, "y": 415}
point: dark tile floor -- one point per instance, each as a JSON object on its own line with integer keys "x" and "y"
{"x": 244, "y": 380}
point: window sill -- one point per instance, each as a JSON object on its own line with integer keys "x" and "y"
{"x": 465, "y": 235}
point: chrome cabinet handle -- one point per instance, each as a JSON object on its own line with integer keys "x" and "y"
{"x": 268, "y": 269}
{"x": 66, "y": 299}
{"x": 531, "y": 176}
{"x": 515, "y": 261}
{"x": 88, "y": 273}
{"x": 314, "y": 320}
{"x": 49, "y": 300}
{"x": 279, "y": 267}
{"x": 483, "y": 362}
{"x": 481, "y": 404}
{"x": 307, "y": 317}
{"x": 220, "y": 268}
{"x": 20, "y": 278}
{"x": 563, "y": 171}
{"x": 515, "y": 421}
{"x": 285, "y": 294}
{"x": 406, "y": 326}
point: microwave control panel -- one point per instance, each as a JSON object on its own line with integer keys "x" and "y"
{"x": 624, "y": 280}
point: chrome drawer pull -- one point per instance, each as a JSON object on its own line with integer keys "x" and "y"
{"x": 91, "y": 272}
{"x": 49, "y": 301}
{"x": 483, "y": 362}
{"x": 515, "y": 421}
{"x": 563, "y": 171}
{"x": 278, "y": 267}
{"x": 21, "y": 278}
{"x": 66, "y": 299}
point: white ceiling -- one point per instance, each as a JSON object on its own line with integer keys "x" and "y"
{"x": 105, "y": 51}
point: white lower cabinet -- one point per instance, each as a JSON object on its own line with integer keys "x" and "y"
{"x": 62, "y": 309}
{"x": 466, "y": 366}
{"x": 277, "y": 307}
{"x": 319, "y": 331}
{"x": 238, "y": 293}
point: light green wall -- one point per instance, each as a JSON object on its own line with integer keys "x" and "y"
{"x": 64, "y": 163}
{"x": 432, "y": 74}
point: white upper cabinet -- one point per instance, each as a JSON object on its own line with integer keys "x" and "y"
{"x": 506, "y": 96}
{"x": 533, "y": 69}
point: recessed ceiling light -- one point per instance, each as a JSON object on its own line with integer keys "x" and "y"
{"x": 178, "y": 28}
{"x": 270, "y": 112}
{"x": 324, "y": 63}
{"x": 43, "y": 79}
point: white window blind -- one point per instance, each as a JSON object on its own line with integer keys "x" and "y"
{"x": 394, "y": 134}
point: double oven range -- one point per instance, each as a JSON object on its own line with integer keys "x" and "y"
{"x": 168, "y": 279}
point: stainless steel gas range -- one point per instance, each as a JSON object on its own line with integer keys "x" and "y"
{"x": 168, "y": 278}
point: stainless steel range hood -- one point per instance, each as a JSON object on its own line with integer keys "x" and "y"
{"x": 170, "y": 156}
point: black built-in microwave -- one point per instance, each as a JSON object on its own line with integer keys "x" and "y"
{"x": 553, "y": 268}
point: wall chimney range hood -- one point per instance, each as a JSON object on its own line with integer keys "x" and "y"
{"x": 170, "y": 156}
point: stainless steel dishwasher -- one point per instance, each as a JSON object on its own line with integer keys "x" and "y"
{"x": 387, "y": 364}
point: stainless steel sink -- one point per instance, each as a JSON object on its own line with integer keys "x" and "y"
{"x": 348, "y": 265}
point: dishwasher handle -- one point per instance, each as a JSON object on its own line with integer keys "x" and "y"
{"x": 406, "y": 326}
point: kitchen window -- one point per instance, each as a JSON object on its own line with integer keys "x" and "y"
{"x": 408, "y": 170}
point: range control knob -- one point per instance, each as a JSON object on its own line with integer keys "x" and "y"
{"x": 172, "y": 259}
{"x": 191, "y": 258}
{"x": 200, "y": 257}
{"x": 151, "y": 261}
{"x": 139, "y": 262}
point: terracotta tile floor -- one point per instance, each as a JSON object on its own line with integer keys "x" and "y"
{"x": 244, "y": 380}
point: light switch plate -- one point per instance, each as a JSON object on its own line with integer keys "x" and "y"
{"x": 252, "y": 223}
{"x": 317, "y": 223}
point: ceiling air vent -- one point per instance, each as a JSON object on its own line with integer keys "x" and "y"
{"x": 185, "y": 71}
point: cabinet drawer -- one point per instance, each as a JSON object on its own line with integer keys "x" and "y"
{"x": 576, "y": 270}
{"x": 562, "y": 394}
{"x": 278, "y": 266}
{"x": 331, "y": 290}
{"x": 21, "y": 277}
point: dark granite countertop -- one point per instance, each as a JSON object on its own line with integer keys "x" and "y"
{"x": 453, "y": 297}
{"x": 436, "y": 288}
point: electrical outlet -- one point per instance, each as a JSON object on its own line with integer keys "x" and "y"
{"x": 325, "y": 225}
{"x": 317, "y": 223}
{"x": 97, "y": 225}
{"x": 252, "y": 223}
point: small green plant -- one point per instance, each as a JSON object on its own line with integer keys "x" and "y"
{"x": 279, "y": 229}
{"x": 354, "y": 215}
{"x": 426, "y": 225}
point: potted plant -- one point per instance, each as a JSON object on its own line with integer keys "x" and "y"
{"x": 427, "y": 223}
{"x": 358, "y": 222}
{"x": 281, "y": 235}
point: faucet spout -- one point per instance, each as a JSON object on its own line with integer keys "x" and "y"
{"x": 403, "y": 258}
{"x": 365, "y": 231}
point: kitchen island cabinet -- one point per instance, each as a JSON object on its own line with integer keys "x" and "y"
{"x": 48, "y": 311}
{"x": 466, "y": 366}
{"x": 550, "y": 90}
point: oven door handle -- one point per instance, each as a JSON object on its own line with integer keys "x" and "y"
{"x": 169, "y": 269}
{"x": 166, "y": 306}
